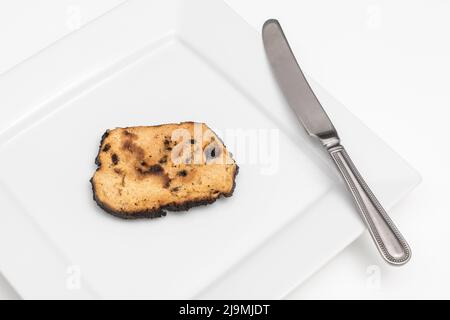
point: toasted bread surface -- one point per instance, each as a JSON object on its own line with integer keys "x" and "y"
{"x": 145, "y": 171}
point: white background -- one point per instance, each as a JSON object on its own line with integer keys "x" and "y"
{"x": 389, "y": 63}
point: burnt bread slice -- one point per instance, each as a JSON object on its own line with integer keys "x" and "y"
{"x": 148, "y": 170}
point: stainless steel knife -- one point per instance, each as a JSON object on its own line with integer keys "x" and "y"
{"x": 299, "y": 95}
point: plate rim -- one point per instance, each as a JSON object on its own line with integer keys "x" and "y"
{"x": 186, "y": 34}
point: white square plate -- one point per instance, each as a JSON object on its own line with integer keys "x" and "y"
{"x": 149, "y": 63}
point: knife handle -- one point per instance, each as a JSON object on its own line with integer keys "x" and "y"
{"x": 390, "y": 243}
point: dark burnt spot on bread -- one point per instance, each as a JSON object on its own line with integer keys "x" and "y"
{"x": 133, "y": 148}
{"x": 192, "y": 141}
{"x": 130, "y": 135}
{"x": 114, "y": 159}
{"x": 182, "y": 173}
{"x": 154, "y": 169}
{"x": 163, "y": 159}
{"x": 106, "y": 147}
{"x": 176, "y": 189}
{"x": 118, "y": 171}
{"x": 212, "y": 152}
{"x": 167, "y": 144}
{"x": 127, "y": 145}
{"x": 166, "y": 181}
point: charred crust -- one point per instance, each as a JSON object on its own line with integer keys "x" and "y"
{"x": 186, "y": 205}
{"x": 104, "y": 136}
{"x": 106, "y": 147}
{"x": 236, "y": 171}
{"x": 97, "y": 159}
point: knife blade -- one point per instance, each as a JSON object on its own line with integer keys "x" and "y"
{"x": 310, "y": 113}
{"x": 294, "y": 86}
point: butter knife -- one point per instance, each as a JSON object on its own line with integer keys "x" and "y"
{"x": 300, "y": 97}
